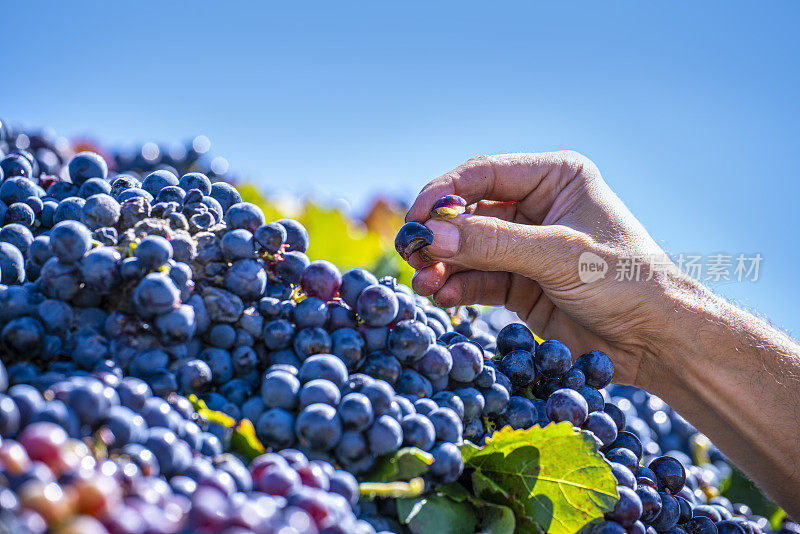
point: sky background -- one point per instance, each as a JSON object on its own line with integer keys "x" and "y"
{"x": 689, "y": 109}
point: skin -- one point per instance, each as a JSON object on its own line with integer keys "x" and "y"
{"x": 529, "y": 219}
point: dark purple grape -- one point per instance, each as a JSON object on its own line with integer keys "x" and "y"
{"x": 519, "y": 367}
{"x": 467, "y": 362}
{"x": 384, "y": 436}
{"x": 412, "y": 237}
{"x": 567, "y": 405}
{"x": 321, "y": 279}
{"x": 418, "y": 431}
{"x": 597, "y": 368}
{"x": 318, "y": 427}
{"x": 624, "y": 457}
{"x": 447, "y": 462}
{"x": 515, "y": 336}
{"x": 408, "y": 341}
{"x": 380, "y": 364}
{"x": 602, "y": 426}
{"x": 296, "y": 235}
{"x": 700, "y": 525}
{"x": 629, "y": 441}
{"x": 651, "y": 502}
{"x": 670, "y": 512}
{"x": 520, "y": 413}
{"x": 377, "y": 305}
{"x": 552, "y": 358}
{"x": 670, "y": 474}
{"x": 628, "y": 508}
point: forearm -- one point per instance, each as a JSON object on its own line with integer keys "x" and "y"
{"x": 737, "y": 379}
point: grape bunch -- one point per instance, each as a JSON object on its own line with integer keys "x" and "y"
{"x": 126, "y": 291}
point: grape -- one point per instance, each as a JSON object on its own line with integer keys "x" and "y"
{"x": 411, "y": 238}
{"x": 447, "y": 424}
{"x": 413, "y": 383}
{"x": 616, "y": 414}
{"x": 384, "y": 435}
{"x": 311, "y": 341}
{"x": 291, "y": 266}
{"x": 594, "y": 399}
{"x": 447, "y": 462}
{"x": 597, "y": 367}
{"x": 467, "y": 362}
{"x": 355, "y": 411}
{"x": 515, "y": 336}
{"x": 319, "y": 390}
{"x": 311, "y": 312}
{"x": 448, "y": 399}
{"x": 608, "y": 527}
{"x": 377, "y": 305}
{"x": 668, "y": 516}
{"x": 567, "y": 405}
{"x": 435, "y": 362}
{"x": 670, "y": 474}
{"x": 321, "y": 279}
{"x": 380, "y": 364}
{"x": 602, "y": 426}
{"x": 700, "y": 525}
{"x": 552, "y": 358}
{"x": 519, "y": 367}
{"x": 296, "y": 235}
{"x": 324, "y": 366}
{"x": 628, "y": 440}
{"x": 238, "y": 245}
{"x": 651, "y": 502}
{"x": 408, "y": 341}
{"x": 418, "y": 431}
{"x": 276, "y": 428}
{"x": 628, "y": 508}
{"x": 318, "y": 426}
{"x": 473, "y": 400}
{"x": 14, "y": 165}
{"x": 623, "y": 475}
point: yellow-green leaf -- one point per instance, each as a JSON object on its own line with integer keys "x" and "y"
{"x": 554, "y": 476}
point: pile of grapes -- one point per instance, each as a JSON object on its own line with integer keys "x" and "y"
{"x": 133, "y": 303}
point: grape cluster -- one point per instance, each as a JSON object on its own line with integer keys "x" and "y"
{"x": 124, "y": 291}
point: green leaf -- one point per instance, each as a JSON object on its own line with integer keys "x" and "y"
{"x": 553, "y": 478}
{"x": 244, "y": 440}
{"x": 436, "y": 513}
{"x": 492, "y": 518}
{"x": 407, "y": 463}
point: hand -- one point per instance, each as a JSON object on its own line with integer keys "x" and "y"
{"x": 529, "y": 219}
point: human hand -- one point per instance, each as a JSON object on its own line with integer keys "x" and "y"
{"x": 529, "y": 218}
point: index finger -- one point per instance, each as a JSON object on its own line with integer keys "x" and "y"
{"x": 507, "y": 177}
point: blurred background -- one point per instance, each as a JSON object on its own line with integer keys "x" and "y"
{"x": 339, "y": 113}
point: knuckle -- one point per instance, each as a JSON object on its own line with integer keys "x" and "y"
{"x": 575, "y": 164}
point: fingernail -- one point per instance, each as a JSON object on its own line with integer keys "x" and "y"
{"x": 445, "y": 239}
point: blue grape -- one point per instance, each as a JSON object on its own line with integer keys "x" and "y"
{"x": 567, "y": 405}
{"x": 597, "y": 367}
{"x": 418, "y": 431}
{"x": 384, "y": 436}
{"x": 377, "y": 305}
{"x": 319, "y": 427}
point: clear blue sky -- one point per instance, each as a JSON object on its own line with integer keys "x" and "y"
{"x": 690, "y": 109}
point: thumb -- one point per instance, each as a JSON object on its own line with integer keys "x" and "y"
{"x": 490, "y": 244}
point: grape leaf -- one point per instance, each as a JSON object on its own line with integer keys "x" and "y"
{"x": 436, "y": 513}
{"x": 407, "y": 463}
{"x": 492, "y": 518}
{"x": 553, "y": 477}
